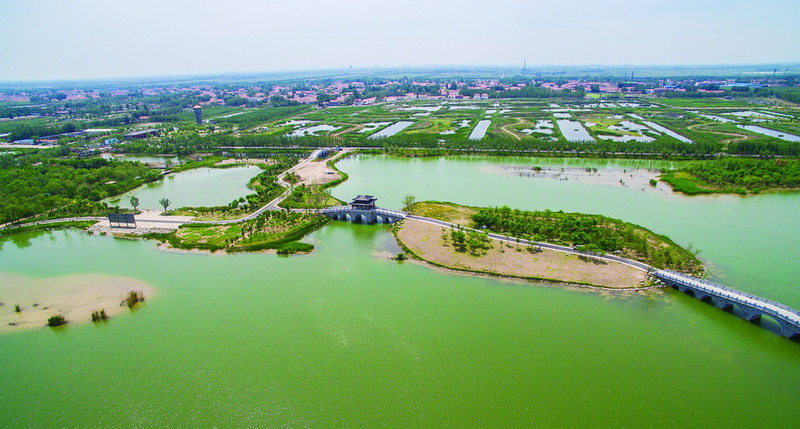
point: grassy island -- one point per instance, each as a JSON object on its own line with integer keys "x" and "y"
{"x": 473, "y": 251}
{"x": 735, "y": 176}
{"x": 271, "y": 230}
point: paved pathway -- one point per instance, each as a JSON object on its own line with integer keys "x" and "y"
{"x": 731, "y": 294}
{"x": 636, "y": 264}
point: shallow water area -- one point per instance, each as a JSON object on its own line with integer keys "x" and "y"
{"x": 344, "y": 337}
{"x": 574, "y": 131}
{"x": 770, "y": 132}
{"x": 199, "y": 187}
{"x": 73, "y": 296}
{"x": 480, "y": 130}
{"x": 392, "y": 129}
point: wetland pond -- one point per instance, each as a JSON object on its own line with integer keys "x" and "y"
{"x": 199, "y": 187}
{"x": 345, "y": 337}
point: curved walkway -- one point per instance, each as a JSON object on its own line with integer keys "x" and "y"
{"x": 272, "y": 205}
{"x": 565, "y": 249}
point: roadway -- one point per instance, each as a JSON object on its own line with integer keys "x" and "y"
{"x": 273, "y": 205}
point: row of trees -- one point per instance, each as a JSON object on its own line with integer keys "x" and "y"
{"x": 747, "y": 173}
{"x": 592, "y": 233}
{"x": 492, "y": 143}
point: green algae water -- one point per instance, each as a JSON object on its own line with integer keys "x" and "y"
{"x": 345, "y": 337}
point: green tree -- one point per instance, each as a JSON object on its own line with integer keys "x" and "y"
{"x": 408, "y": 201}
{"x": 134, "y": 203}
{"x": 164, "y": 202}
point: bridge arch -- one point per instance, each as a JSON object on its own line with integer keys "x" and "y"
{"x": 382, "y": 218}
{"x": 755, "y": 317}
{"x": 774, "y": 324}
{"x": 726, "y": 306}
{"x": 768, "y": 314}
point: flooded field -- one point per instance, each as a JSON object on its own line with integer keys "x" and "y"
{"x": 574, "y": 131}
{"x": 480, "y": 130}
{"x": 392, "y": 129}
{"x": 312, "y": 131}
{"x": 666, "y": 131}
{"x": 772, "y": 133}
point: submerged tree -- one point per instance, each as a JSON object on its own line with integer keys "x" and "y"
{"x": 56, "y": 320}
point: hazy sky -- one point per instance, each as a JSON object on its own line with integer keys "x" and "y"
{"x": 43, "y": 39}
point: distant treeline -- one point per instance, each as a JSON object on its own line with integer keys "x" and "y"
{"x": 260, "y": 116}
{"x": 192, "y": 143}
{"x": 26, "y": 130}
{"x": 790, "y": 94}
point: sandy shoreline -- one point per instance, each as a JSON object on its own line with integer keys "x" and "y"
{"x": 73, "y": 296}
{"x": 425, "y": 240}
{"x": 635, "y": 178}
{"x": 318, "y": 172}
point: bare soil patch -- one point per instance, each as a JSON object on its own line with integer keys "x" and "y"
{"x": 73, "y": 296}
{"x": 318, "y": 172}
{"x": 425, "y": 240}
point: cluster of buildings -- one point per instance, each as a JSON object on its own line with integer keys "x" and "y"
{"x": 360, "y": 93}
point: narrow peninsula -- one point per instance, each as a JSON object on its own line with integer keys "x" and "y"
{"x": 462, "y": 247}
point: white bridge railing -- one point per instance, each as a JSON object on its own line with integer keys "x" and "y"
{"x": 732, "y": 294}
{"x": 378, "y": 210}
{"x": 389, "y": 212}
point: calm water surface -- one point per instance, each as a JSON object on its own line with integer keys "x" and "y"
{"x": 199, "y": 187}
{"x": 344, "y": 337}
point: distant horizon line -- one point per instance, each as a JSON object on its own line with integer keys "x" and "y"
{"x": 440, "y": 67}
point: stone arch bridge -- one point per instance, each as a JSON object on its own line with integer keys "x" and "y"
{"x": 374, "y": 215}
{"x": 363, "y": 210}
{"x": 747, "y": 306}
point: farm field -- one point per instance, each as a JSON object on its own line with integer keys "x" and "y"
{"x": 641, "y": 121}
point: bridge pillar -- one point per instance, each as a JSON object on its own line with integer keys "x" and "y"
{"x": 723, "y": 304}
{"x": 790, "y": 331}
{"x": 705, "y": 297}
{"x": 749, "y": 314}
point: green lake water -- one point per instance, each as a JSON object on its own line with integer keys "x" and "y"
{"x": 199, "y": 187}
{"x": 346, "y": 338}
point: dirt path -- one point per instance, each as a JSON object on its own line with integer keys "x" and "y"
{"x": 355, "y": 127}
{"x": 505, "y": 129}
{"x": 742, "y": 137}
